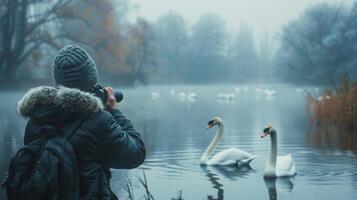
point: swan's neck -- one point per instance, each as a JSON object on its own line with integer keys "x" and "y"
{"x": 271, "y": 163}
{"x": 213, "y": 144}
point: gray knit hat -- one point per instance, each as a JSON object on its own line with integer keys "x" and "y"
{"x": 74, "y": 68}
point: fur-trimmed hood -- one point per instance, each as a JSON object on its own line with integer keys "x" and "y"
{"x": 60, "y": 100}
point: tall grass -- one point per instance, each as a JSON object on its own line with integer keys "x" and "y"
{"x": 148, "y": 196}
{"x": 333, "y": 115}
{"x": 144, "y": 183}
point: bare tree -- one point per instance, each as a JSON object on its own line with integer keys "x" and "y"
{"x": 171, "y": 33}
{"x": 142, "y": 49}
{"x": 207, "y": 49}
{"x": 245, "y": 64}
{"x": 25, "y": 26}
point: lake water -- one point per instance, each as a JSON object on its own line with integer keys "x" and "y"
{"x": 173, "y": 127}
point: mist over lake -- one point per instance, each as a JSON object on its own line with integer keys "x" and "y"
{"x": 174, "y": 131}
{"x": 227, "y": 95}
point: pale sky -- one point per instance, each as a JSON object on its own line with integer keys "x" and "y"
{"x": 261, "y": 15}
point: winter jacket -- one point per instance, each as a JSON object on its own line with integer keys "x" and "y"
{"x": 104, "y": 140}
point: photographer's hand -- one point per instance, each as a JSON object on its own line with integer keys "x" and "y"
{"x": 111, "y": 103}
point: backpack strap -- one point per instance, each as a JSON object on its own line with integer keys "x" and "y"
{"x": 66, "y": 132}
{"x": 71, "y": 130}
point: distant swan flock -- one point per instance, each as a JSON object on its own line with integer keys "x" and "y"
{"x": 222, "y": 97}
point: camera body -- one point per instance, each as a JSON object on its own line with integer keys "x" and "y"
{"x": 99, "y": 92}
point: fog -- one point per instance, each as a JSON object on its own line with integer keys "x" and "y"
{"x": 262, "y": 15}
{"x": 182, "y": 42}
{"x": 288, "y": 63}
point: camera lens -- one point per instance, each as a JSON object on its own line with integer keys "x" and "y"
{"x": 118, "y": 96}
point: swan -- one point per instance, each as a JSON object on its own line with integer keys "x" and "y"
{"x": 172, "y": 93}
{"x": 155, "y": 95}
{"x": 269, "y": 92}
{"x": 258, "y": 90}
{"x": 187, "y": 96}
{"x": 277, "y": 166}
{"x": 322, "y": 98}
{"x": 230, "y": 156}
{"x": 299, "y": 90}
{"x": 237, "y": 89}
{"x": 225, "y": 97}
{"x": 181, "y": 96}
{"x": 192, "y": 97}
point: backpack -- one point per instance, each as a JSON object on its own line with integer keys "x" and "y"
{"x": 45, "y": 168}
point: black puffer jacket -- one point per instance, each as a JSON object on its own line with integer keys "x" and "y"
{"x": 104, "y": 140}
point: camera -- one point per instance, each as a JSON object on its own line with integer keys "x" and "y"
{"x": 98, "y": 91}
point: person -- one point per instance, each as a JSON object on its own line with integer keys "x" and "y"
{"x": 105, "y": 139}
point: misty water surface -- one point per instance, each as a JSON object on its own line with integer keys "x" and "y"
{"x": 173, "y": 127}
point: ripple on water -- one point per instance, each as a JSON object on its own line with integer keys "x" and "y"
{"x": 176, "y": 140}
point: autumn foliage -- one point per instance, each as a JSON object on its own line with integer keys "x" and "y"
{"x": 31, "y": 32}
{"x": 120, "y": 47}
{"x": 102, "y": 28}
{"x": 333, "y": 116}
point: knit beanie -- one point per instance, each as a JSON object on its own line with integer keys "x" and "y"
{"x": 74, "y": 68}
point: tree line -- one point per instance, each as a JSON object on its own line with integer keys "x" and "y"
{"x": 205, "y": 52}
{"x": 316, "y": 47}
{"x": 320, "y": 46}
{"x": 32, "y": 31}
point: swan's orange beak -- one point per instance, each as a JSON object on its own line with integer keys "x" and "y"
{"x": 263, "y": 135}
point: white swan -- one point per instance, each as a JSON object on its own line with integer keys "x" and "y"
{"x": 155, "y": 95}
{"x": 225, "y": 98}
{"x": 191, "y": 96}
{"x": 172, "y": 93}
{"x": 230, "y": 156}
{"x": 277, "y": 166}
{"x": 269, "y": 92}
{"x": 258, "y": 90}
{"x": 181, "y": 96}
{"x": 229, "y": 96}
{"x": 237, "y": 89}
{"x": 187, "y": 96}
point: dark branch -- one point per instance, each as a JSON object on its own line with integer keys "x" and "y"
{"x": 44, "y": 19}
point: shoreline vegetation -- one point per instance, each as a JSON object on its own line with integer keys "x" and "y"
{"x": 333, "y": 116}
{"x": 147, "y": 194}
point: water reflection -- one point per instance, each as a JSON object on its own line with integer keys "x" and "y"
{"x": 174, "y": 133}
{"x": 285, "y": 183}
{"x": 231, "y": 173}
{"x": 270, "y": 184}
{"x": 214, "y": 179}
{"x": 333, "y": 138}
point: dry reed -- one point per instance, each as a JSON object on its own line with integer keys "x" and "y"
{"x": 333, "y": 115}
{"x": 147, "y": 196}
